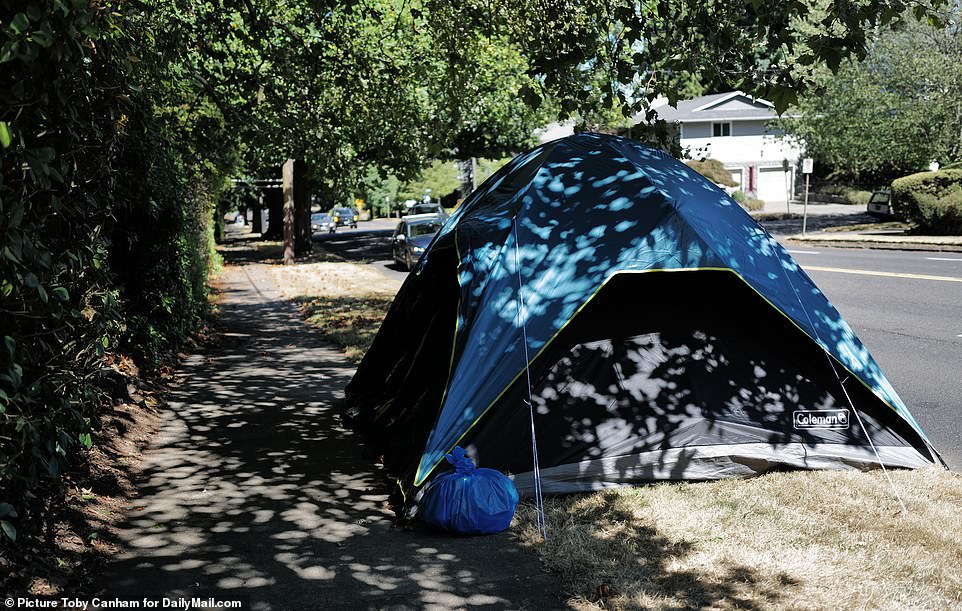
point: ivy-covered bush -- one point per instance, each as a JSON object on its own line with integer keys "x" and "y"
{"x": 931, "y": 200}
{"x": 104, "y": 228}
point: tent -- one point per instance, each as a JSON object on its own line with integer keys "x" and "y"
{"x": 657, "y": 331}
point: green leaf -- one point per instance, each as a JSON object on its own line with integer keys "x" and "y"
{"x": 6, "y": 137}
{"x": 85, "y": 440}
{"x": 7, "y": 511}
{"x": 9, "y": 530}
{"x": 10, "y": 344}
{"x": 9, "y": 254}
{"x": 20, "y": 24}
{"x": 530, "y": 96}
{"x": 42, "y": 38}
{"x": 8, "y": 52}
{"x": 61, "y": 293}
{"x": 31, "y": 280}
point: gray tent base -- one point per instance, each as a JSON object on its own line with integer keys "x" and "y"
{"x": 712, "y": 462}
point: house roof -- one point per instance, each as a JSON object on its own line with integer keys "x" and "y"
{"x": 729, "y": 106}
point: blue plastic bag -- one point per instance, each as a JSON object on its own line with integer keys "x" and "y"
{"x": 469, "y": 500}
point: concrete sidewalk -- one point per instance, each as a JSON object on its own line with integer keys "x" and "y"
{"x": 880, "y": 239}
{"x": 826, "y": 223}
{"x": 254, "y": 492}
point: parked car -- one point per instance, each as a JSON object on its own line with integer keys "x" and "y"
{"x": 880, "y": 204}
{"x": 428, "y": 209}
{"x": 345, "y": 217}
{"x": 322, "y": 221}
{"x": 412, "y": 236}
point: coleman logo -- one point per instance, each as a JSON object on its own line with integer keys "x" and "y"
{"x": 832, "y": 419}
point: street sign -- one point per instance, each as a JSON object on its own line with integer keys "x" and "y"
{"x": 808, "y": 164}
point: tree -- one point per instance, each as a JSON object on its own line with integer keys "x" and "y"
{"x": 121, "y": 124}
{"x": 894, "y": 112}
{"x": 641, "y": 51}
{"x": 110, "y": 166}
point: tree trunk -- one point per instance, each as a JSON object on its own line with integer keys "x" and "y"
{"x": 287, "y": 184}
{"x": 302, "y": 209}
{"x": 274, "y": 199}
{"x": 257, "y": 222}
{"x": 466, "y": 174}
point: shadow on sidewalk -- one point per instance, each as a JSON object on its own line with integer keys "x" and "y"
{"x": 254, "y": 492}
{"x": 241, "y": 247}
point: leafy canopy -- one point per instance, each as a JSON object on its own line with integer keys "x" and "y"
{"x": 894, "y": 112}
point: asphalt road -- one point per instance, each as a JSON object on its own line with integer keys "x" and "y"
{"x": 910, "y": 319}
{"x": 370, "y": 243}
{"x": 905, "y": 306}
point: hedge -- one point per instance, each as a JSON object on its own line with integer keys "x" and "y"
{"x": 105, "y": 210}
{"x": 931, "y": 200}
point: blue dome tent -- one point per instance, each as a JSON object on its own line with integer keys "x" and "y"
{"x": 601, "y": 300}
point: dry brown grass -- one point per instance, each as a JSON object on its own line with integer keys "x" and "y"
{"x": 346, "y": 301}
{"x": 799, "y": 540}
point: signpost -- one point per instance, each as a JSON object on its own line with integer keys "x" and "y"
{"x": 807, "y": 166}
{"x": 788, "y": 191}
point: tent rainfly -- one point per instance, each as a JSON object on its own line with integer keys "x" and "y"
{"x": 601, "y": 299}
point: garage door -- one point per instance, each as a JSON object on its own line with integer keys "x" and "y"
{"x": 771, "y": 184}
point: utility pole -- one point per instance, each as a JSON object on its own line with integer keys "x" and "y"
{"x": 807, "y": 167}
{"x": 287, "y": 185}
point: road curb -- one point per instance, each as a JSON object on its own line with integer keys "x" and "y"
{"x": 934, "y": 244}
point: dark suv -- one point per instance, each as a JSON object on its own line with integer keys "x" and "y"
{"x": 412, "y": 236}
{"x": 428, "y": 209}
{"x": 344, "y": 217}
{"x": 880, "y": 204}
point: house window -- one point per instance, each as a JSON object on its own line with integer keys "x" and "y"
{"x": 720, "y": 130}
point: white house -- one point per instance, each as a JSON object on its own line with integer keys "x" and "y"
{"x": 734, "y": 129}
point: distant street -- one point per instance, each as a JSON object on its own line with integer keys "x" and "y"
{"x": 905, "y": 306}
{"x": 369, "y": 243}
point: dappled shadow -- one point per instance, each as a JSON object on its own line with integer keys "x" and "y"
{"x": 256, "y": 493}
{"x": 646, "y": 567}
{"x": 242, "y": 247}
{"x": 549, "y": 230}
{"x": 677, "y": 388}
{"x": 365, "y": 245}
